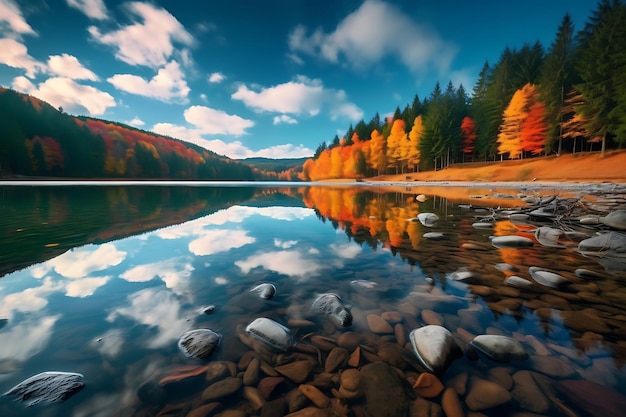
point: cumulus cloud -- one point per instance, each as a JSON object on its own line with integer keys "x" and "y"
{"x": 61, "y": 91}
{"x": 215, "y": 122}
{"x": 235, "y": 149}
{"x": 93, "y": 9}
{"x": 81, "y": 262}
{"x": 157, "y": 308}
{"x": 174, "y": 273}
{"x": 136, "y": 121}
{"x": 216, "y": 77}
{"x": 15, "y": 54}
{"x": 12, "y": 22}
{"x": 219, "y": 240}
{"x": 301, "y": 96}
{"x": 283, "y": 118}
{"x": 374, "y": 31}
{"x": 85, "y": 287}
{"x": 167, "y": 85}
{"x": 287, "y": 262}
{"x": 149, "y": 40}
{"x": 68, "y": 66}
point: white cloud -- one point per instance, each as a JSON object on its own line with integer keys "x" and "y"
{"x": 216, "y": 122}
{"x": 219, "y": 240}
{"x": 173, "y": 272}
{"x": 136, "y": 121}
{"x": 60, "y": 91}
{"x": 149, "y": 40}
{"x": 285, "y": 262}
{"x": 15, "y": 54}
{"x": 167, "y": 85}
{"x": 374, "y": 31}
{"x": 94, "y": 9}
{"x": 301, "y": 96}
{"x": 347, "y": 251}
{"x": 67, "y": 66}
{"x": 79, "y": 263}
{"x": 234, "y": 149}
{"x": 285, "y": 244}
{"x": 27, "y": 338}
{"x": 12, "y": 22}
{"x": 85, "y": 287}
{"x": 29, "y": 300}
{"x": 157, "y": 308}
{"x": 283, "y": 118}
{"x": 216, "y": 77}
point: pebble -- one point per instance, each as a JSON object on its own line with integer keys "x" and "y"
{"x": 485, "y": 394}
{"x": 221, "y": 389}
{"x": 254, "y": 397}
{"x": 428, "y": 385}
{"x": 217, "y": 370}
{"x": 315, "y": 395}
{"x": 268, "y": 385}
{"x": 297, "y": 371}
{"x": 528, "y": 394}
{"x": 451, "y": 404}
{"x": 432, "y": 317}
{"x": 335, "y": 359}
{"x": 204, "y": 410}
{"x": 383, "y": 390}
{"x": 392, "y": 317}
{"x": 378, "y": 325}
{"x": 512, "y": 241}
{"x": 499, "y": 348}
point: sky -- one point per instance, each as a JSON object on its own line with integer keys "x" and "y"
{"x": 248, "y": 78}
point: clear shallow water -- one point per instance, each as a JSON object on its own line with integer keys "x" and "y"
{"x": 112, "y": 276}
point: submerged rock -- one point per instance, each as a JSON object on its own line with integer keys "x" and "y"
{"x": 199, "y": 343}
{"x": 47, "y": 387}
{"x": 611, "y": 243}
{"x": 266, "y": 290}
{"x": 548, "y": 278}
{"x": 435, "y": 347}
{"x": 428, "y": 219}
{"x": 331, "y": 304}
{"x": 615, "y": 220}
{"x": 512, "y": 241}
{"x": 271, "y": 333}
{"x": 499, "y": 348}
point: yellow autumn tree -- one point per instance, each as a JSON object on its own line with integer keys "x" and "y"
{"x": 395, "y": 143}
{"x": 377, "y": 151}
{"x": 413, "y": 157}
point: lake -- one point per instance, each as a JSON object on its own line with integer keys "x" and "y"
{"x": 104, "y": 280}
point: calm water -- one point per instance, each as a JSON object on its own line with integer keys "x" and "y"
{"x": 103, "y": 281}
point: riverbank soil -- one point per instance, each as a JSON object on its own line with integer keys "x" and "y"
{"x": 581, "y": 167}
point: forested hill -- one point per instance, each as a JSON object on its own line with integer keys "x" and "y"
{"x": 38, "y": 140}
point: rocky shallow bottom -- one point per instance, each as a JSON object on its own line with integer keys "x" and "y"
{"x": 373, "y": 368}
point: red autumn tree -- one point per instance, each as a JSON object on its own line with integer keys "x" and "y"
{"x": 468, "y": 130}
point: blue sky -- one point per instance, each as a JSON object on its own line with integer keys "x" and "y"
{"x": 258, "y": 78}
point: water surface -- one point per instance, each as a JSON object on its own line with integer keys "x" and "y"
{"x": 103, "y": 281}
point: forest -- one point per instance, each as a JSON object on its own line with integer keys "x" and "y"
{"x": 532, "y": 102}
{"x": 41, "y": 141}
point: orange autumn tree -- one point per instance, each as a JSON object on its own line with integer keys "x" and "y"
{"x": 468, "y": 131}
{"x": 515, "y": 122}
{"x": 534, "y": 132}
{"x": 515, "y": 113}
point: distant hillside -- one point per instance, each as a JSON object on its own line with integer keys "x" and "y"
{"x": 274, "y": 165}
{"x": 38, "y": 140}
